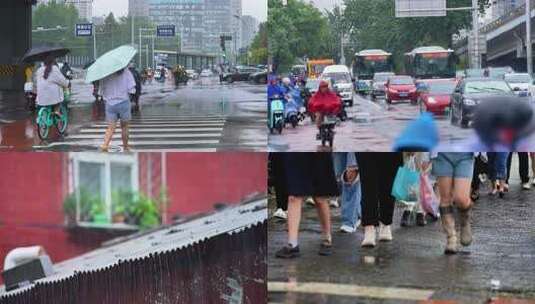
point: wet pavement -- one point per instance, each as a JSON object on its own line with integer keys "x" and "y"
{"x": 374, "y": 125}
{"x": 202, "y": 116}
{"x": 500, "y": 263}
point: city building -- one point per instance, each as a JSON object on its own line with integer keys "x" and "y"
{"x": 249, "y": 29}
{"x": 200, "y": 23}
{"x": 138, "y": 8}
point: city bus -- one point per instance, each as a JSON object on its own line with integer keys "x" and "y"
{"x": 316, "y": 66}
{"x": 368, "y": 62}
{"x": 430, "y": 62}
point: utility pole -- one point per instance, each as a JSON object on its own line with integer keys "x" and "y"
{"x": 94, "y": 42}
{"x": 475, "y": 25}
{"x": 529, "y": 53}
{"x": 342, "y": 55}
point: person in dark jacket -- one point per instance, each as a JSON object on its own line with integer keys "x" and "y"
{"x": 135, "y": 96}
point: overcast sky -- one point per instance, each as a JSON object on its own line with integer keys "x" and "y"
{"x": 326, "y": 4}
{"x": 257, "y": 8}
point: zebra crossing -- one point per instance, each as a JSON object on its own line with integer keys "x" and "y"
{"x": 153, "y": 133}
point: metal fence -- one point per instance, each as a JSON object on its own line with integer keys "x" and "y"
{"x": 229, "y": 268}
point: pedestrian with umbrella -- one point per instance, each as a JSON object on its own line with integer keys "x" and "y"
{"x": 116, "y": 83}
{"x": 50, "y": 82}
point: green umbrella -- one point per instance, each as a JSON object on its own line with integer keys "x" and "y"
{"x": 109, "y": 63}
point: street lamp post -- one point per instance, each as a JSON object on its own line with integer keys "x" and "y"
{"x": 529, "y": 53}
{"x": 142, "y": 35}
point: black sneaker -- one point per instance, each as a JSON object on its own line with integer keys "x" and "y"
{"x": 288, "y": 252}
{"x": 405, "y": 218}
{"x": 420, "y": 219}
{"x": 318, "y": 136}
{"x": 326, "y": 248}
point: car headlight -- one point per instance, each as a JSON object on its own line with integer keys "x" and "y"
{"x": 470, "y": 102}
{"x": 431, "y": 100}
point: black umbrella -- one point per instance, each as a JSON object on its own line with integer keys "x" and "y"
{"x": 39, "y": 53}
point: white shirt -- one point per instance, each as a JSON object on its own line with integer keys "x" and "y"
{"x": 115, "y": 88}
{"x": 50, "y": 90}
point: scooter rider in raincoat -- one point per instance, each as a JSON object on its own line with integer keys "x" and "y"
{"x": 324, "y": 102}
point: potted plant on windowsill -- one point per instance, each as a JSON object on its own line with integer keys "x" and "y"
{"x": 144, "y": 212}
{"x": 86, "y": 201}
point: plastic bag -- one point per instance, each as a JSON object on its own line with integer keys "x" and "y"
{"x": 406, "y": 183}
{"x": 428, "y": 198}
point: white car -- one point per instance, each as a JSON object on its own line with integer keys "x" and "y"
{"x": 192, "y": 74}
{"x": 341, "y": 79}
{"x": 521, "y": 83}
{"x": 206, "y": 73}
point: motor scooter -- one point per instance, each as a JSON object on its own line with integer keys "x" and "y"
{"x": 276, "y": 114}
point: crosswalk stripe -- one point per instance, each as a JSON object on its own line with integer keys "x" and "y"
{"x": 165, "y": 125}
{"x": 138, "y": 142}
{"x": 155, "y": 130}
{"x": 133, "y": 136}
{"x": 350, "y": 290}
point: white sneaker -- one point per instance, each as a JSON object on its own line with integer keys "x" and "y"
{"x": 310, "y": 201}
{"x": 369, "y": 237}
{"x": 334, "y": 203}
{"x": 347, "y": 229}
{"x": 279, "y": 213}
{"x": 526, "y": 186}
{"x": 385, "y": 233}
{"x": 533, "y": 181}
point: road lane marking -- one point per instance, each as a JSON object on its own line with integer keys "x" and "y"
{"x": 410, "y": 294}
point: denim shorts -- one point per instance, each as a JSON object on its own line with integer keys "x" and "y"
{"x": 454, "y": 165}
{"x": 118, "y": 111}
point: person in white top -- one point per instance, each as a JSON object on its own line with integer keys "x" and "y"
{"x": 116, "y": 90}
{"x": 50, "y": 84}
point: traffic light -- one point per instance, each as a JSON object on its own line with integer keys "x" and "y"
{"x": 223, "y": 43}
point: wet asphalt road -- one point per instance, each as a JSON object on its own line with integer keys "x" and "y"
{"x": 500, "y": 263}
{"x": 373, "y": 126}
{"x": 202, "y": 116}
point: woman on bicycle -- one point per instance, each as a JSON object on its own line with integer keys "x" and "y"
{"x": 324, "y": 102}
{"x": 50, "y": 85}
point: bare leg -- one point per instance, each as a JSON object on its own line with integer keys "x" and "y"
{"x": 108, "y": 137}
{"x": 294, "y": 217}
{"x": 125, "y": 135}
{"x": 461, "y": 193}
{"x": 322, "y": 206}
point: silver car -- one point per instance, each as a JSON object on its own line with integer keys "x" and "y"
{"x": 378, "y": 83}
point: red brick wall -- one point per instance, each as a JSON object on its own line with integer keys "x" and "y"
{"x": 34, "y": 185}
{"x": 196, "y": 181}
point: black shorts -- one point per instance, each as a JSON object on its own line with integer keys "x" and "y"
{"x": 310, "y": 174}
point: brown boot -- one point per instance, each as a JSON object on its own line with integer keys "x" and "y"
{"x": 448, "y": 224}
{"x": 465, "y": 217}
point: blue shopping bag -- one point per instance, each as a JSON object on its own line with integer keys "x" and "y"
{"x": 406, "y": 184}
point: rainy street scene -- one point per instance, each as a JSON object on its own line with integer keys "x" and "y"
{"x": 401, "y": 228}
{"x": 133, "y": 228}
{"x": 135, "y": 75}
{"x": 389, "y": 75}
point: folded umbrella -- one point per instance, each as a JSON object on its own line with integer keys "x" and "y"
{"x": 39, "y": 53}
{"x": 109, "y": 63}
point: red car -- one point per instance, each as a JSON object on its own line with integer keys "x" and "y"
{"x": 400, "y": 88}
{"x": 435, "y": 97}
